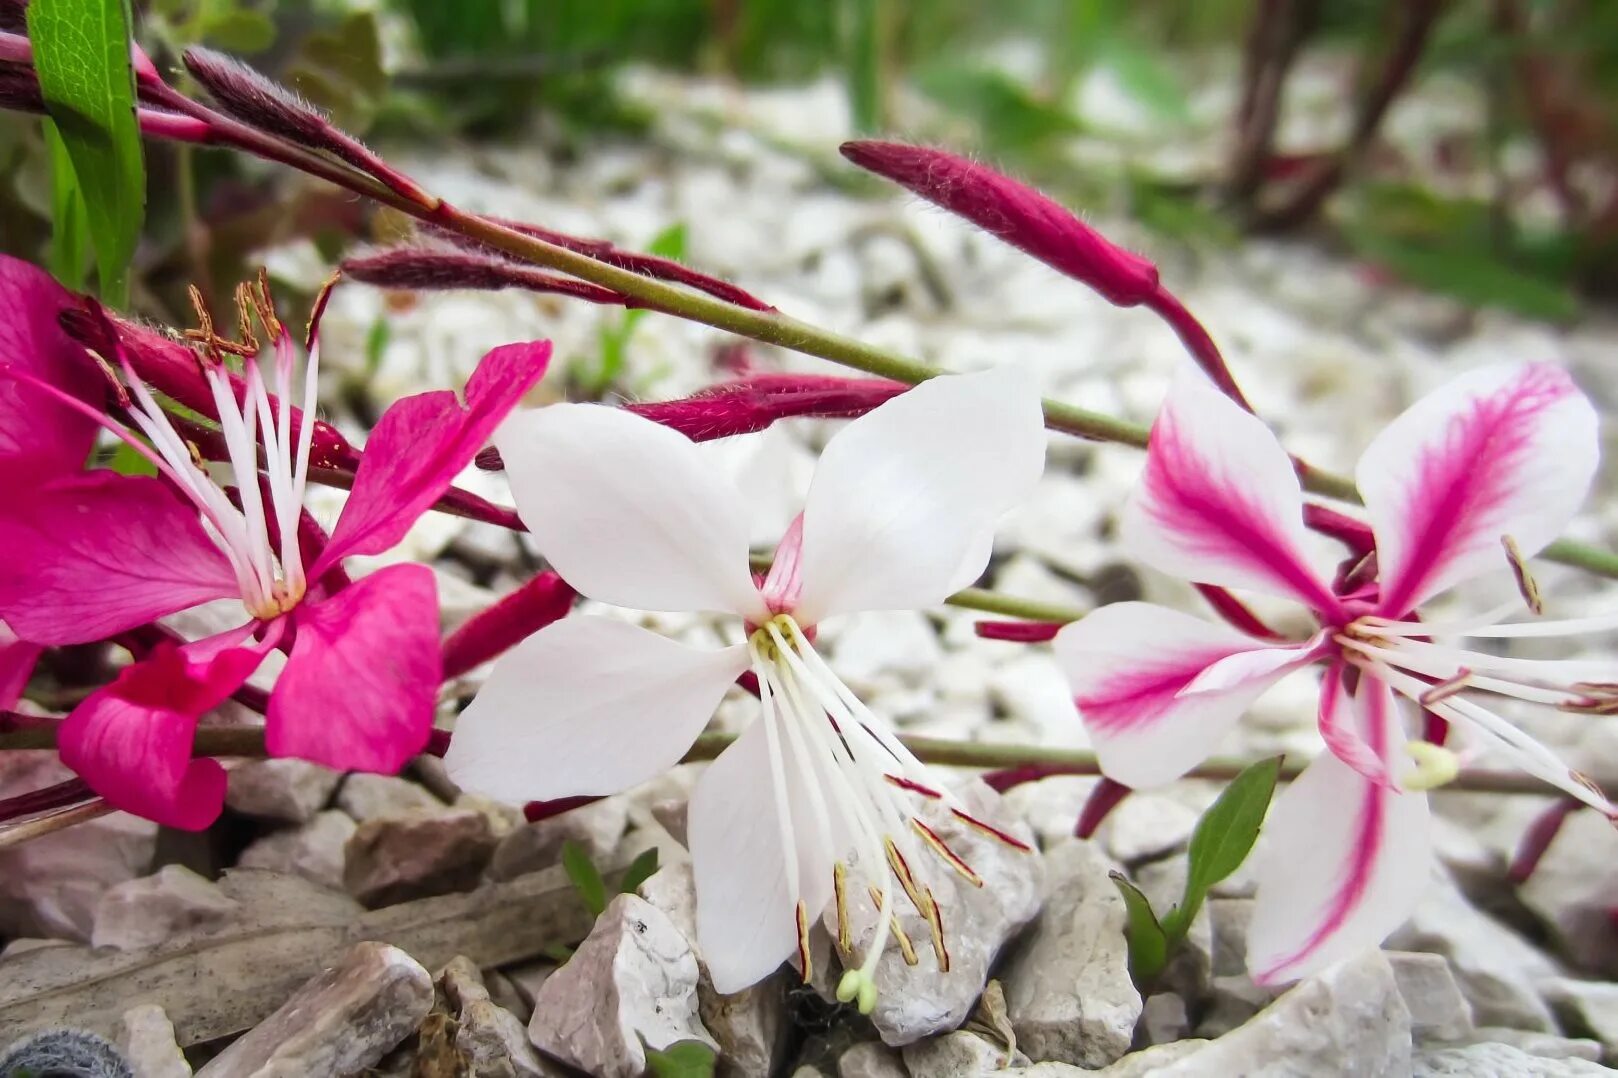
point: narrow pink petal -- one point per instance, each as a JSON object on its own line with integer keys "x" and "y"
{"x": 421, "y": 443}
{"x": 49, "y": 439}
{"x": 1504, "y": 450}
{"x": 95, "y": 554}
{"x": 17, "y": 658}
{"x": 131, "y": 741}
{"x": 1219, "y": 502}
{"x": 1133, "y": 668}
{"x": 1343, "y": 860}
{"x": 1340, "y": 728}
{"x": 360, "y": 685}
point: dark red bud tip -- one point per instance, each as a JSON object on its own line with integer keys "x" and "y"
{"x": 535, "y": 811}
{"x": 1018, "y": 632}
{"x": 1014, "y": 212}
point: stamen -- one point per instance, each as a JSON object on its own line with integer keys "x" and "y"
{"x": 1445, "y": 689}
{"x": 1526, "y": 584}
{"x": 993, "y": 832}
{"x": 935, "y": 920}
{"x": 858, "y": 984}
{"x": 845, "y": 934}
{"x": 805, "y": 959}
{"x": 906, "y": 948}
{"x": 914, "y": 787}
{"x": 950, "y": 856}
{"x": 1435, "y": 766}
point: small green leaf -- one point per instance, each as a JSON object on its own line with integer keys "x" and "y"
{"x": 687, "y": 1059}
{"x": 1149, "y": 81}
{"x": 81, "y": 50}
{"x": 125, "y": 461}
{"x": 1226, "y": 833}
{"x": 70, "y": 225}
{"x": 1148, "y": 943}
{"x": 1470, "y": 275}
{"x": 585, "y": 876}
{"x": 638, "y": 872}
{"x": 239, "y": 30}
{"x": 669, "y": 243}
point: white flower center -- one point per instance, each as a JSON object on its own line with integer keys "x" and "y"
{"x": 860, "y": 783}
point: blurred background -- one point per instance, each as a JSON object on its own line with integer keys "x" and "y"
{"x": 1469, "y": 147}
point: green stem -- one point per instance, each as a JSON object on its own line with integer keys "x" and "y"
{"x": 249, "y": 741}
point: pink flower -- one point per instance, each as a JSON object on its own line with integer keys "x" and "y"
{"x": 1502, "y": 453}
{"x": 814, "y": 806}
{"x": 95, "y": 554}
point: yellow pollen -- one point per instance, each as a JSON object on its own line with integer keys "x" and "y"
{"x": 845, "y": 934}
{"x": 1435, "y": 766}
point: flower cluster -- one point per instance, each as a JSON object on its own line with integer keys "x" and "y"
{"x": 817, "y": 814}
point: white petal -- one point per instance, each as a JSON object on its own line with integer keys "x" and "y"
{"x": 1504, "y": 450}
{"x": 586, "y": 706}
{"x": 628, "y": 511}
{"x": 1133, "y": 668}
{"x": 904, "y": 496}
{"x": 746, "y": 919}
{"x": 1343, "y": 860}
{"x": 1219, "y": 502}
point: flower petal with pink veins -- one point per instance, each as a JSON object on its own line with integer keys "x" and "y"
{"x": 35, "y": 431}
{"x": 1134, "y": 669}
{"x": 629, "y": 512}
{"x": 587, "y": 705}
{"x": 903, "y": 505}
{"x": 17, "y": 658}
{"x": 1219, "y": 502}
{"x": 131, "y": 741}
{"x": 1505, "y": 450}
{"x": 1342, "y": 861}
{"x": 360, "y": 686}
{"x": 92, "y": 555}
{"x": 421, "y": 444}
{"x": 746, "y": 917}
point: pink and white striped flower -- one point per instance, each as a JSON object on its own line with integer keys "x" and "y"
{"x": 1472, "y": 479}
{"x": 93, "y": 555}
{"x": 817, "y": 795}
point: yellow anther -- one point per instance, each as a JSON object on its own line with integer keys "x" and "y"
{"x": 1435, "y": 766}
{"x": 845, "y": 934}
{"x": 805, "y": 958}
{"x": 1525, "y": 579}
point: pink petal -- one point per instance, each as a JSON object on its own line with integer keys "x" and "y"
{"x": 95, "y": 554}
{"x": 1134, "y": 668}
{"x": 1504, "y": 450}
{"x": 1219, "y": 502}
{"x": 17, "y": 658}
{"x": 421, "y": 443}
{"x": 50, "y": 439}
{"x": 131, "y": 741}
{"x": 1343, "y": 861}
{"x": 360, "y": 686}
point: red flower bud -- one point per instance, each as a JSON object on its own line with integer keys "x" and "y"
{"x": 544, "y": 599}
{"x": 1015, "y": 213}
{"x": 433, "y": 269}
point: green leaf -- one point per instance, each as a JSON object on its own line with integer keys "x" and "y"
{"x": 687, "y": 1059}
{"x": 638, "y": 872}
{"x": 863, "y": 64}
{"x": 1148, "y": 943}
{"x": 1470, "y": 275}
{"x": 126, "y": 461}
{"x": 70, "y": 225}
{"x": 669, "y": 243}
{"x": 81, "y": 49}
{"x": 1225, "y": 835}
{"x": 586, "y": 877}
{"x": 239, "y": 30}
{"x": 1149, "y": 81}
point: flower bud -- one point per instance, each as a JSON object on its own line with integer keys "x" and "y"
{"x": 544, "y": 599}
{"x": 1015, "y": 213}
{"x": 433, "y": 269}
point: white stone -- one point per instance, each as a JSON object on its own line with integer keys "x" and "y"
{"x": 917, "y": 1001}
{"x": 631, "y": 984}
{"x": 146, "y": 1037}
{"x": 596, "y": 827}
{"x": 144, "y": 912}
{"x": 1067, "y": 986}
{"x": 1587, "y": 1007}
{"x": 340, "y": 1022}
{"x": 283, "y": 789}
{"x": 870, "y": 1060}
{"x": 1145, "y": 827}
{"x": 1428, "y": 985}
{"x": 1497, "y": 1061}
{"x": 1549, "y": 1045}
{"x": 1572, "y": 889}
{"x": 1496, "y": 968}
{"x": 313, "y": 850}
{"x": 489, "y": 1038}
{"x": 961, "y": 1054}
{"x": 1163, "y": 1019}
{"x": 1348, "y": 1019}
{"x": 366, "y": 797}
{"x": 392, "y": 859}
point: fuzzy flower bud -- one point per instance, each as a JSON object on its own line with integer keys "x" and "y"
{"x": 434, "y": 269}
{"x": 1015, "y": 213}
